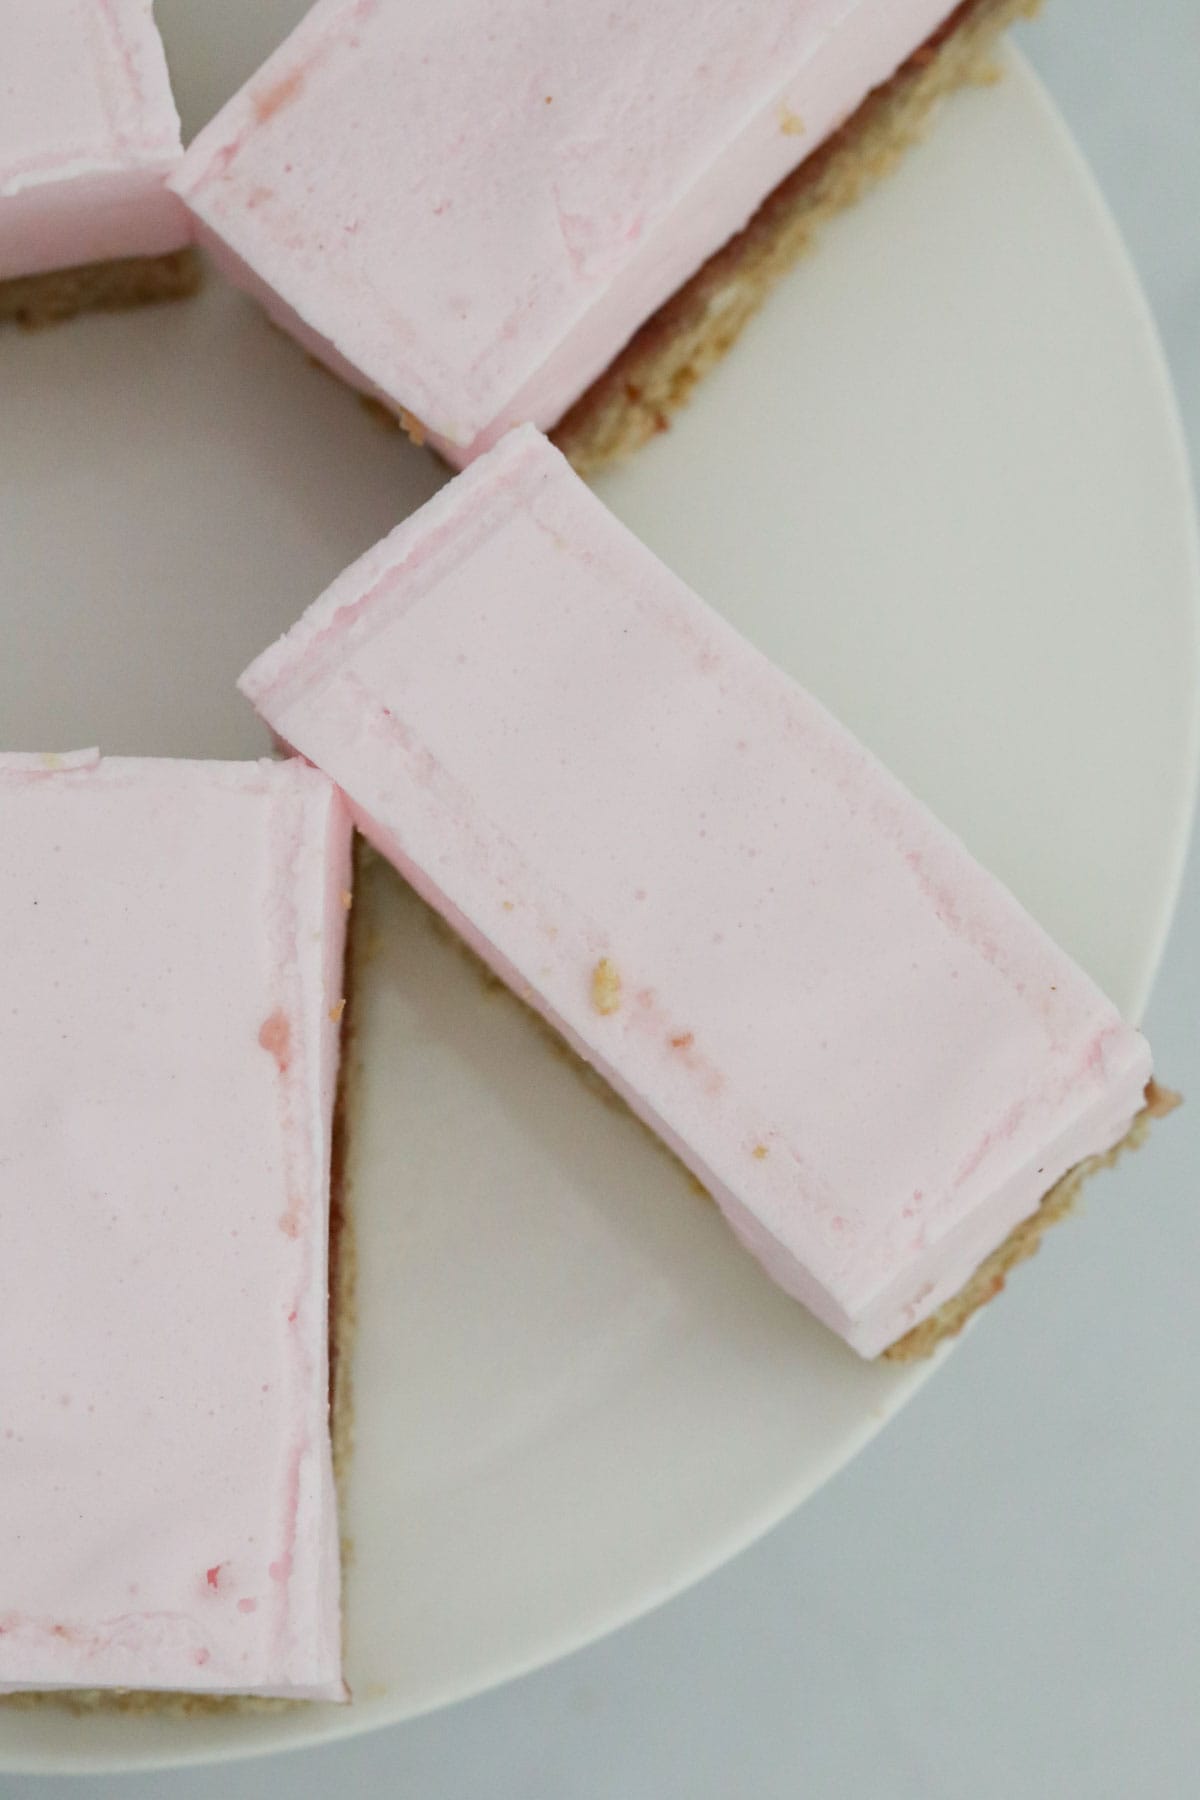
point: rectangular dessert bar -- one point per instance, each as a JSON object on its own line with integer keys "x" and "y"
{"x": 468, "y": 209}
{"x": 857, "y": 1040}
{"x": 88, "y": 136}
{"x": 169, "y": 1036}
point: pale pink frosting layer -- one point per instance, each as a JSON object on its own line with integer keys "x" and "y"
{"x": 469, "y": 208}
{"x": 174, "y": 936}
{"x": 88, "y": 136}
{"x": 857, "y": 1039}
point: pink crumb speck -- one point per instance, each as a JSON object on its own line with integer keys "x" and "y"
{"x": 279, "y": 1571}
{"x": 275, "y": 1036}
{"x": 201, "y": 1657}
{"x": 213, "y": 1575}
{"x": 247, "y": 1606}
{"x": 273, "y": 99}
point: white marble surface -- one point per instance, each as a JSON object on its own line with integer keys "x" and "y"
{"x": 1002, "y": 1596}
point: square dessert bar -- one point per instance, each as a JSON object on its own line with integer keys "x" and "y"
{"x": 858, "y": 1041}
{"x": 173, "y": 966}
{"x": 88, "y": 136}
{"x": 469, "y": 209}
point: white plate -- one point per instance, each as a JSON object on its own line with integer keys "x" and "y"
{"x": 942, "y": 482}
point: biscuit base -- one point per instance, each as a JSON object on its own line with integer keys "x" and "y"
{"x": 1024, "y": 1240}
{"x": 34, "y": 301}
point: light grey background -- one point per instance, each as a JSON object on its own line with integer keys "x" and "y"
{"x": 1001, "y": 1597}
